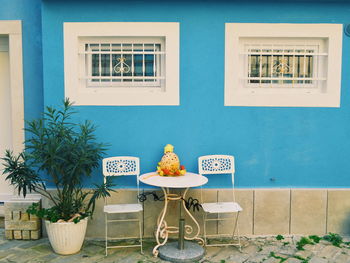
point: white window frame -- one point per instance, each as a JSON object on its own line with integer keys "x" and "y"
{"x": 237, "y": 93}
{"x": 75, "y": 84}
{"x": 13, "y": 29}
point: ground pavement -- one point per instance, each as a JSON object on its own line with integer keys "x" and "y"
{"x": 267, "y": 250}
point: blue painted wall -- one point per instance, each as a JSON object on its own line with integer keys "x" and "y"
{"x": 297, "y": 147}
{"x": 29, "y": 11}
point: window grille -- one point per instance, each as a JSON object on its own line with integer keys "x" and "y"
{"x": 283, "y": 66}
{"x": 124, "y": 64}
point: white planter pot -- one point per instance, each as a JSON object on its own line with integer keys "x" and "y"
{"x": 66, "y": 238}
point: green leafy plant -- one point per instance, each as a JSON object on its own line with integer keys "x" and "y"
{"x": 315, "y": 238}
{"x": 279, "y": 237}
{"x": 304, "y": 241}
{"x": 67, "y": 153}
{"x": 333, "y": 238}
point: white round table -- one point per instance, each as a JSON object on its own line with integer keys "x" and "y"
{"x": 183, "y": 181}
{"x": 167, "y": 183}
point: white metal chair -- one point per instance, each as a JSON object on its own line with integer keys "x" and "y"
{"x": 122, "y": 166}
{"x": 215, "y": 165}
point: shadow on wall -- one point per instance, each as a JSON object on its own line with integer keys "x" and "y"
{"x": 346, "y": 225}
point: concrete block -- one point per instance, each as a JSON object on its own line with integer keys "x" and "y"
{"x": 24, "y": 216}
{"x": 19, "y": 205}
{"x": 17, "y": 234}
{"x": 271, "y": 211}
{"x": 245, "y": 220}
{"x": 35, "y": 234}
{"x": 33, "y": 217}
{"x": 8, "y": 214}
{"x": 25, "y": 234}
{"x": 308, "y": 211}
{"x": 22, "y": 225}
{"x": 9, "y": 234}
{"x": 339, "y": 211}
{"x": 16, "y": 215}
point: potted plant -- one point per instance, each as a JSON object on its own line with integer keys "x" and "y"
{"x": 59, "y": 153}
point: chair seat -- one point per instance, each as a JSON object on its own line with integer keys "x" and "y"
{"x": 222, "y": 207}
{"x": 122, "y": 208}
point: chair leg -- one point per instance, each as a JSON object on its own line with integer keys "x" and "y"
{"x": 140, "y": 227}
{"x": 205, "y": 228}
{"x": 106, "y": 233}
{"x": 238, "y": 236}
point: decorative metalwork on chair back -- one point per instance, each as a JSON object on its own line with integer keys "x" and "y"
{"x": 121, "y": 165}
{"x": 216, "y": 164}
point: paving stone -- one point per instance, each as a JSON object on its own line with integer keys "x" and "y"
{"x": 318, "y": 260}
{"x": 39, "y": 251}
{"x": 329, "y": 252}
{"x": 238, "y": 258}
{"x": 23, "y": 256}
{"x": 258, "y": 258}
{"x": 287, "y": 250}
{"x": 272, "y": 260}
{"x": 305, "y": 253}
{"x": 292, "y": 260}
{"x": 341, "y": 258}
{"x": 268, "y": 249}
{"x": 250, "y": 249}
{"x": 314, "y": 248}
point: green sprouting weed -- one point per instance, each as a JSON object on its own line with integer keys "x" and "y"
{"x": 333, "y": 238}
{"x": 304, "y": 241}
{"x": 285, "y": 243}
{"x": 315, "y": 238}
{"x": 279, "y": 237}
{"x": 222, "y": 261}
{"x": 273, "y": 255}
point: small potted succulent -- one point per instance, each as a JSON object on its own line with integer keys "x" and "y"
{"x": 59, "y": 153}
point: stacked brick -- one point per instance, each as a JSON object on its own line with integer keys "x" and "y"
{"x": 18, "y": 223}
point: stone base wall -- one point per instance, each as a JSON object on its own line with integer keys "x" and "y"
{"x": 18, "y": 223}
{"x": 265, "y": 212}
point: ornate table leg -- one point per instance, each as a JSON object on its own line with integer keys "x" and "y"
{"x": 188, "y": 228}
{"x": 161, "y": 232}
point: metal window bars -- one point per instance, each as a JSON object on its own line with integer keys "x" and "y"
{"x": 289, "y": 66}
{"x": 124, "y": 64}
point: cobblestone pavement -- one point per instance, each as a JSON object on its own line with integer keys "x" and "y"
{"x": 267, "y": 250}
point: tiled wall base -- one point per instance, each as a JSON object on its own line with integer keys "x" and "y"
{"x": 266, "y": 212}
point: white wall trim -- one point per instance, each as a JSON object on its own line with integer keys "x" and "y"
{"x": 236, "y": 93}
{"x": 76, "y": 89}
{"x": 13, "y": 28}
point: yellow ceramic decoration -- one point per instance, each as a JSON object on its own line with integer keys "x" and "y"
{"x": 170, "y": 163}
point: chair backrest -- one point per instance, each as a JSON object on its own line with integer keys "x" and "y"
{"x": 122, "y": 166}
{"x": 217, "y": 164}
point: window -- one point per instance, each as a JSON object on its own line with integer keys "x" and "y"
{"x": 283, "y": 65}
{"x": 122, "y": 63}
